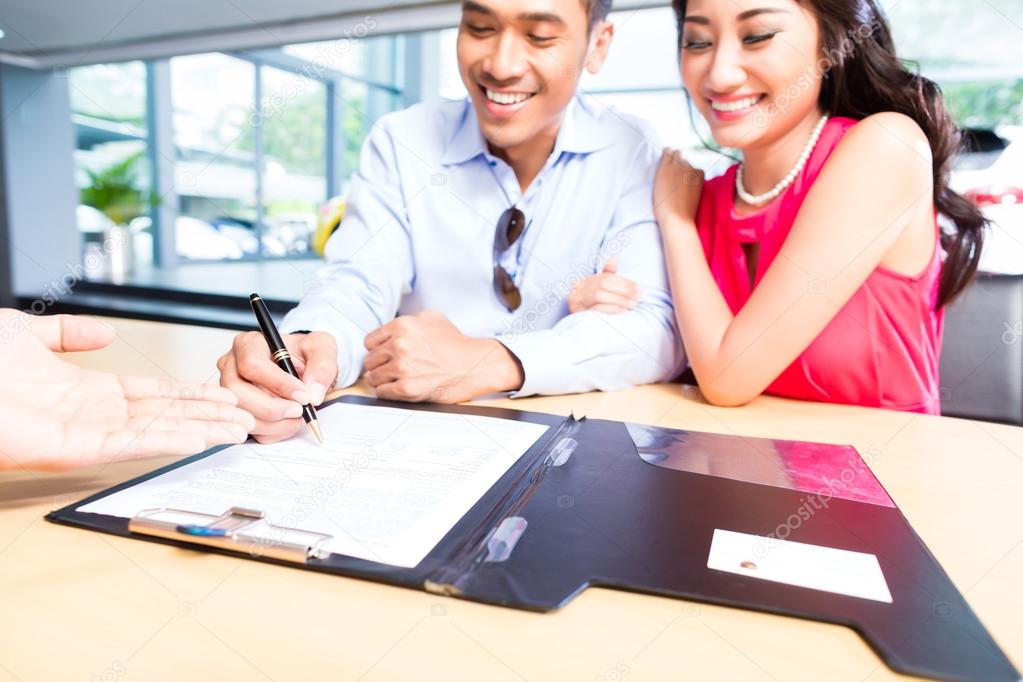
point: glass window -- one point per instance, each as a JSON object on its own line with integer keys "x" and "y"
{"x": 353, "y": 100}
{"x": 115, "y": 93}
{"x": 213, "y": 97}
{"x": 112, "y": 174}
{"x": 451, "y": 85}
{"x": 972, "y": 50}
{"x": 250, "y": 179}
{"x": 294, "y": 133}
{"x": 942, "y": 33}
{"x": 990, "y": 104}
{"x": 642, "y": 54}
{"x": 344, "y": 55}
{"x": 665, "y": 111}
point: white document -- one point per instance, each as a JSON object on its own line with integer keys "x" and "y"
{"x": 388, "y": 484}
{"x": 854, "y": 574}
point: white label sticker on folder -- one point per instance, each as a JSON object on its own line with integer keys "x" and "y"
{"x": 840, "y": 571}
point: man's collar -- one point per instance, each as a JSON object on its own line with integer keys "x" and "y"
{"x": 580, "y": 131}
{"x": 580, "y": 134}
{"x": 467, "y": 142}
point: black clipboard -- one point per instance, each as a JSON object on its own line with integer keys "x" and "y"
{"x": 586, "y": 507}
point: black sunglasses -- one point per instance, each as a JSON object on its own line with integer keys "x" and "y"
{"x": 509, "y": 228}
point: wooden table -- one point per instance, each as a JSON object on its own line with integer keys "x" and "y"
{"x": 81, "y": 605}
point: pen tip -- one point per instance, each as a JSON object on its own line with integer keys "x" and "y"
{"x": 314, "y": 426}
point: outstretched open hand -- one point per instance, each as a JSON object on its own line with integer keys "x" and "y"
{"x": 55, "y": 415}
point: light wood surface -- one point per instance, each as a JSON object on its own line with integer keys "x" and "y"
{"x": 81, "y": 605}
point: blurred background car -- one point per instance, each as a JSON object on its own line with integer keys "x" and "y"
{"x": 989, "y": 172}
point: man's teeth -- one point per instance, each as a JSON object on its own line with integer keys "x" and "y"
{"x": 508, "y": 97}
{"x": 737, "y": 105}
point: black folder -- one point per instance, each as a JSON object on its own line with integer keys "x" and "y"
{"x": 607, "y": 504}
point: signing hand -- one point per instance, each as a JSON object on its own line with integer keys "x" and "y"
{"x": 55, "y": 415}
{"x": 677, "y": 189}
{"x": 271, "y": 395}
{"x": 425, "y": 357}
{"x": 606, "y": 292}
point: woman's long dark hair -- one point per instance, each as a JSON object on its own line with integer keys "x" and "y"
{"x": 863, "y": 76}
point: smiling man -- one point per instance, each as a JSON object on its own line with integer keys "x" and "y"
{"x": 471, "y": 221}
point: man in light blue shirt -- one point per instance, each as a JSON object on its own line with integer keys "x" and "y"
{"x": 472, "y": 221}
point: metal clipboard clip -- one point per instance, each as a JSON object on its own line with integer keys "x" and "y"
{"x": 238, "y": 530}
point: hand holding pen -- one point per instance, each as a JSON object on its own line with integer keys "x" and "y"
{"x": 280, "y": 355}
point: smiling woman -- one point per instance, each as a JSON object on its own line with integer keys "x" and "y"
{"x": 814, "y": 268}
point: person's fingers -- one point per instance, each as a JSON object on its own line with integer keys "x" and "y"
{"x": 386, "y": 373}
{"x": 274, "y": 432}
{"x": 127, "y": 444}
{"x": 253, "y": 364}
{"x": 609, "y": 309}
{"x": 376, "y": 358}
{"x": 262, "y": 404}
{"x": 319, "y": 354}
{"x": 576, "y": 303}
{"x": 622, "y": 286}
{"x": 605, "y": 297}
{"x": 140, "y": 388}
{"x": 192, "y": 409}
{"x": 155, "y": 441}
{"x": 611, "y": 266}
{"x": 257, "y": 401}
{"x": 583, "y": 295}
{"x": 210, "y": 430}
{"x": 71, "y": 333}
{"x": 382, "y": 333}
{"x": 403, "y": 389}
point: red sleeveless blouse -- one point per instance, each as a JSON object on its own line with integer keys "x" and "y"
{"x": 883, "y": 347}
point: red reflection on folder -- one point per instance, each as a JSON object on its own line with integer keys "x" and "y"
{"x": 829, "y": 471}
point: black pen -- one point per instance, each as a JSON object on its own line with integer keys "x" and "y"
{"x": 280, "y": 355}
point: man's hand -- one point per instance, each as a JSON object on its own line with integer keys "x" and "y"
{"x": 55, "y": 415}
{"x": 271, "y": 395}
{"x": 425, "y": 357}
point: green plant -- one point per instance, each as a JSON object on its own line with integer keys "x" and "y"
{"x": 114, "y": 191}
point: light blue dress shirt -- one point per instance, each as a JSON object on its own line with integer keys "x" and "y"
{"x": 418, "y": 234}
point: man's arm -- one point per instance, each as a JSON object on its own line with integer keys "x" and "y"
{"x": 369, "y": 267}
{"x": 369, "y": 261}
{"x": 590, "y": 350}
{"x": 424, "y": 357}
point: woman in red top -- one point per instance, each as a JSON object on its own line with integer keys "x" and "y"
{"x": 814, "y": 268}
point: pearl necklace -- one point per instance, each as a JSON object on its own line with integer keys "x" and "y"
{"x": 760, "y": 199}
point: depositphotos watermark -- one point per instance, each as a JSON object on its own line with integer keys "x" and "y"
{"x": 811, "y": 74}
{"x": 1013, "y": 333}
{"x": 311, "y": 73}
{"x": 811, "y": 504}
{"x": 558, "y": 291}
{"x": 315, "y": 498}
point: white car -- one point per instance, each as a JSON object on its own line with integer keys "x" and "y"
{"x": 992, "y": 178}
{"x": 198, "y": 240}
